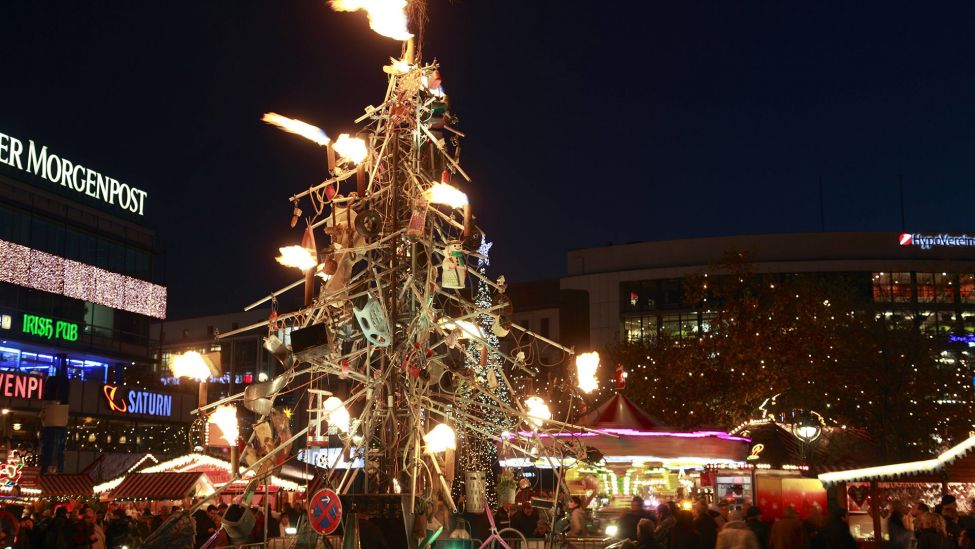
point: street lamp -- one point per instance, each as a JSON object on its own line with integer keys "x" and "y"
{"x": 807, "y": 427}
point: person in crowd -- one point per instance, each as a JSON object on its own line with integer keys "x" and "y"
{"x": 96, "y": 538}
{"x": 683, "y": 535}
{"x": 931, "y": 533}
{"x": 25, "y": 535}
{"x": 949, "y": 510}
{"x": 720, "y": 515}
{"x": 900, "y": 531}
{"x": 753, "y": 518}
{"x": 665, "y": 523}
{"x": 966, "y": 540}
{"x": 788, "y": 532}
{"x": 645, "y": 535}
{"x": 164, "y": 513}
{"x": 526, "y": 521}
{"x": 837, "y": 531}
{"x": 626, "y": 527}
{"x": 814, "y": 524}
{"x": 735, "y": 534}
{"x": 577, "y": 518}
{"x": 918, "y": 509}
{"x": 118, "y": 531}
{"x": 502, "y": 517}
{"x": 705, "y": 525}
{"x": 205, "y": 527}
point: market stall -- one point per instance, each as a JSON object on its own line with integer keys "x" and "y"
{"x": 866, "y": 492}
{"x": 215, "y": 471}
{"x": 625, "y": 452}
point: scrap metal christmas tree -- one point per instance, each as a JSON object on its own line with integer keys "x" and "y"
{"x": 397, "y": 301}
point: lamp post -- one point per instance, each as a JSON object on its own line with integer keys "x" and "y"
{"x": 807, "y": 427}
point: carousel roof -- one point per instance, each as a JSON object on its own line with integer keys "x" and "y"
{"x": 620, "y": 412}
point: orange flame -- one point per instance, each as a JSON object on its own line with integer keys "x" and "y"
{"x": 351, "y": 148}
{"x": 386, "y": 17}
{"x": 297, "y": 256}
{"x": 297, "y": 127}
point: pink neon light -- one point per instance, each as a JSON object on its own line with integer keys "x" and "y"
{"x": 634, "y": 433}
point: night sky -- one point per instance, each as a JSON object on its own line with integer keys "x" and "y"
{"x": 587, "y": 122}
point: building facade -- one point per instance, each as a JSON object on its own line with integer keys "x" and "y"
{"x": 636, "y": 291}
{"x": 79, "y": 285}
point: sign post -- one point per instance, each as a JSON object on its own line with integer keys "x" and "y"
{"x": 325, "y": 511}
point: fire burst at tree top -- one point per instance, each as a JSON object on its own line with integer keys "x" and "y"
{"x": 400, "y": 320}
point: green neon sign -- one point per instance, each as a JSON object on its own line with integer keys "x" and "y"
{"x": 49, "y": 328}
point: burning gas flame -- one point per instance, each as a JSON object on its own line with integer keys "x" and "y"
{"x": 386, "y": 17}
{"x": 440, "y": 439}
{"x": 297, "y": 256}
{"x": 297, "y": 127}
{"x": 190, "y": 364}
{"x": 351, "y": 148}
{"x": 225, "y": 418}
{"x": 538, "y": 411}
{"x": 338, "y": 416}
{"x": 586, "y": 365}
{"x": 467, "y": 329}
{"x": 442, "y": 193}
{"x": 397, "y": 66}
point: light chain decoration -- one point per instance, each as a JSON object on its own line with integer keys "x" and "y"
{"x": 38, "y": 270}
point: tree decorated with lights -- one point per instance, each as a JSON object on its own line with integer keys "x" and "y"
{"x": 390, "y": 352}
{"x": 817, "y": 344}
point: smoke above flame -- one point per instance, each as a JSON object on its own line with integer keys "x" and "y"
{"x": 386, "y": 17}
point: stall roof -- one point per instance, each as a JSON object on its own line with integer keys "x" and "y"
{"x": 163, "y": 486}
{"x": 620, "y": 412}
{"x": 957, "y": 464}
{"x": 61, "y": 485}
{"x": 218, "y": 471}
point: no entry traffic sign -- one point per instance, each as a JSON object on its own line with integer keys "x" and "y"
{"x": 325, "y": 511}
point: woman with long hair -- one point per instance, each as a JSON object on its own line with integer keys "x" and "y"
{"x": 932, "y": 533}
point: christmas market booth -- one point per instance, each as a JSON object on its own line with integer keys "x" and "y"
{"x": 866, "y": 492}
{"x": 191, "y": 476}
{"x": 775, "y": 473}
{"x": 624, "y": 452}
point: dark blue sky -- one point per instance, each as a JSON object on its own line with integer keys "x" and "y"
{"x": 587, "y": 122}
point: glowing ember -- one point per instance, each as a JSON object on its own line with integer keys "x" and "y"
{"x": 225, "y": 418}
{"x": 338, "y": 416}
{"x": 586, "y": 365}
{"x": 351, "y": 148}
{"x": 442, "y": 193}
{"x": 467, "y": 329}
{"x": 386, "y": 17}
{"x": 538, "y": 411}
{"x": 440, "y": 439}
{"x": 297, "y": 127}
{"x": 297, "y": 256}
{"x": 190, "y": 364}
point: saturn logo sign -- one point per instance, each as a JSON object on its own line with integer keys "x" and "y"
{"x": 138, "y": 402}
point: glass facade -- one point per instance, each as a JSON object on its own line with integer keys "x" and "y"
{"x": 936, "y": 303}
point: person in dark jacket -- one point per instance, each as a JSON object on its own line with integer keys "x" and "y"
{"x": 753, "y": 518}
{"x": 205, "y": 527}
{"x": 117, "y": 533}
{"x": 705, "y": 525}
{"x": 838, "y": 531}
{"x": 683, "y": 535}
{"x": 628, "y": 522}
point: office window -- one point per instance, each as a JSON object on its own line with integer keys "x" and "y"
{"x": 640, "y": 328}
{"x": 881, "y": 288}
{"x": 966, "y": 287}
{"x": 968, "y": 322}
{"x": 944, "y": 288}
{"x": 544, "y": 328}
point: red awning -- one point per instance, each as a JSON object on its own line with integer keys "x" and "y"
{"x": 161, "y": 486}
{"x": 58, "y": 485}
{"x": 620, "y": 412}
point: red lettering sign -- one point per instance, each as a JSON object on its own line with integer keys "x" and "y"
{"x": 14, "y": 385}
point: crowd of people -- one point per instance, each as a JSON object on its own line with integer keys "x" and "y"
{"x": 85, "y": 527}
{"x": 913, "y": 526}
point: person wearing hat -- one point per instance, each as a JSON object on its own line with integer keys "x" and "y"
{"x": 753, "y": 518}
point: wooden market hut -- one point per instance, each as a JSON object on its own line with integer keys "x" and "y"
{"x": 864, "y": 491}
